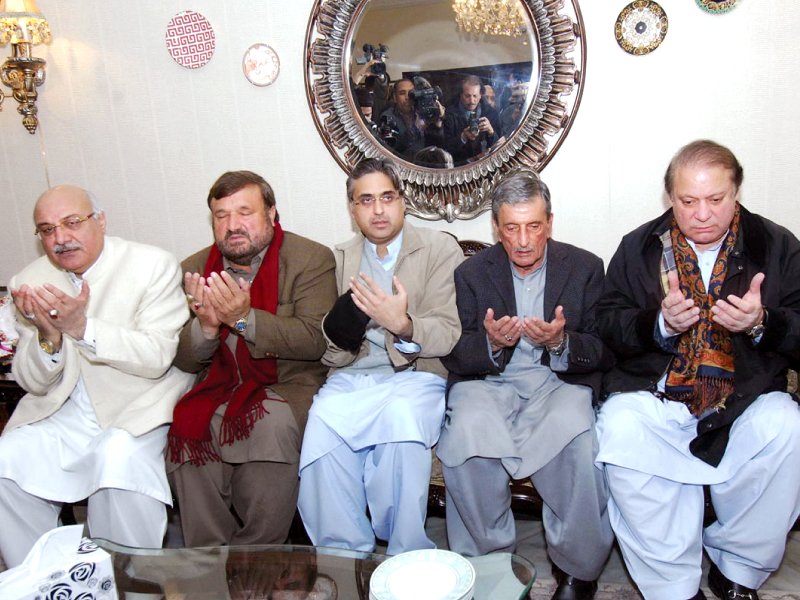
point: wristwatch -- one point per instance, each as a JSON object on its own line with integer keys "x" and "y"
{"x": 559, "y": 348}
{"x": 48, "y": 346}
{"x": 758, "y": 329}
{"x": 241, "y": 324}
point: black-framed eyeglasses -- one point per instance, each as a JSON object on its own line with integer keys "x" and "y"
{"x": 385, "y": 199}
{"x": 72, "y": 222}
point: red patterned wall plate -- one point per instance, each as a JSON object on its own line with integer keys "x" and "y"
{"x": 190, "y": 39}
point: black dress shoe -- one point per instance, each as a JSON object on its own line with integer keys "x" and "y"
{"x": 572, "y": 588}
{"x": 698, "y": 596}
{"x": 727, "y": 589}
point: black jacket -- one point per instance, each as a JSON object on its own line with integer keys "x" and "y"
{"x": 456, "y": 121}
{"x": 628, "y": 311}
{"x": 574, "y": 280}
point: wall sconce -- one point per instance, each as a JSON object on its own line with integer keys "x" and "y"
{"x": 23, "y": 25}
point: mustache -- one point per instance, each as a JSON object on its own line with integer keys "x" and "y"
{"x": 61, "y": 248}
{"x": 233, "y": 232}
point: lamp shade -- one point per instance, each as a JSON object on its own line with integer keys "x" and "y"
{"x": 22, "y": 21}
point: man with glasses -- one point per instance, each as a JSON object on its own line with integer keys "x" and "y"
{"x": 98, "y": 319}
{"x": 372, "y": 425}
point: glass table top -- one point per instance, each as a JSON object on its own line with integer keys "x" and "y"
{"x": 283, "y": 572}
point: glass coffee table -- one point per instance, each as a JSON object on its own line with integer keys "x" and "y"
{"x": 283, "y": 572}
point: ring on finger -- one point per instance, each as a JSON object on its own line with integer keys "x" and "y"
{"x": 508, "y": 338}
{"x": 30, "y": 316}
{"x": 53, "y": 313}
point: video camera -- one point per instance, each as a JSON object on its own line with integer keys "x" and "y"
{"x": 388, "y": 130}
{"x": 472, "y": 122}
{"x": 377, "y": 53}
{"x": 425, "y": 96}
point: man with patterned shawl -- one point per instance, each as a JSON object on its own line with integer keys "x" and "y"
{"x": 257, "y": 297}
{"x": 702, "y": 307}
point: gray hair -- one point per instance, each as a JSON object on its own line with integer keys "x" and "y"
{"x": 519, "y": 187}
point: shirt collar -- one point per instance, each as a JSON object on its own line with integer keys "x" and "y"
{"x": 393, "y": 250}
{"x": 255, "y": 264}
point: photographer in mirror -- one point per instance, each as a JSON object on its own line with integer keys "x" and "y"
{"x": 415, "y": 120}
{"x": 471, "y": 125}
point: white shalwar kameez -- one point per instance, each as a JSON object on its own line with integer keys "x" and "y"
{"x": 656, "y": 484}
{"x": 75, "y": 459}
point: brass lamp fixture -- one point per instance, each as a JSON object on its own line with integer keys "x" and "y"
{"x": 23, "y": 25}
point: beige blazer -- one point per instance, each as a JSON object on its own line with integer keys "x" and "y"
{"x": 306, "y": 291}
{"x": 425, "y": 267}
{"x": 137, "y": 308}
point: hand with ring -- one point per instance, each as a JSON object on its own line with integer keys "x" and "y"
{"x": 195, "y": 286}
{"x": 503, "y": 332}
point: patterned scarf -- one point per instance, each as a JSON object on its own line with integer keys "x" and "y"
{"x": 701, "y": 375}
{"x": 239, "y": 380}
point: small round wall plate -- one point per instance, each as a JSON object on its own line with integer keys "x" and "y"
{"x": 261, "y": 64}
{"x": 641, "y": 27}
{"x": 717, "y": 6}
{"x": 190, "y": 39}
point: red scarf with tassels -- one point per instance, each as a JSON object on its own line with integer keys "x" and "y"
{"x": 239, "y": 380}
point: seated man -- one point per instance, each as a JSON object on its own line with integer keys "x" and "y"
{"x": 523, "y": 377}
{"x": 373, "y": 423}
{"x": 471, "y": 124}
{"x": 257, "y": 296}
{"x": 702, "y": 306}
{"x": 98, "y": 321}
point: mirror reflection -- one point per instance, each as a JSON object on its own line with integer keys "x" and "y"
{"x": 442, "y": 83}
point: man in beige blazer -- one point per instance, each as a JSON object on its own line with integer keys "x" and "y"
{"x": 257, "y": 298}
{"x": 98, "y": 319}
{"x": 372, "y": 425}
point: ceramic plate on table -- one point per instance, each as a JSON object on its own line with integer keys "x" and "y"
{"x": 423, "y": 575}
{"x": 641, "y": 27}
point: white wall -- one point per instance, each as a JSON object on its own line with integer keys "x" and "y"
{"x": 149, "y": 137}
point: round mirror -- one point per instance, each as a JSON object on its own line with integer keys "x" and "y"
{"x": 456, "y": 92}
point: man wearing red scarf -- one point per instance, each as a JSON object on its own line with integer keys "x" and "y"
{"x": 702, "y": 308}
{"x": 257, "y": 298}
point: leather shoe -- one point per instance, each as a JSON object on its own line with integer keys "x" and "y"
{"x": 698, "y": 596}
{"x": 572, "y": 588}
{"x": 727, "y": 589}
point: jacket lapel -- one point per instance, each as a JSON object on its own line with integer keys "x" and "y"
{"x": 555, "y": 278}
{"x": 500, "y": 276}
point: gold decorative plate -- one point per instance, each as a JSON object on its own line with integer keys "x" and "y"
{"x": 717, "y": 7}
{"x": 641, "y": 27}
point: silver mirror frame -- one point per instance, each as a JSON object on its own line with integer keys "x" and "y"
{"x": 461, "y": 192}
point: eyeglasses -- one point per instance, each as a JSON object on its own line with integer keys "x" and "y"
{"x": 385, "y": 199}
{"x": 72, "y": 222}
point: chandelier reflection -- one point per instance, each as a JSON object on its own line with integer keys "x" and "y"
{"x": 490, "y": 17}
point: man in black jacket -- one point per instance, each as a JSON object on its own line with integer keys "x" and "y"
{"x": 523, "y": 375}
{"x": 702, "y": 307}
{"x": 471, "y": 125}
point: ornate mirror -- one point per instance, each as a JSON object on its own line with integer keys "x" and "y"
{"x": 456, "y": 92}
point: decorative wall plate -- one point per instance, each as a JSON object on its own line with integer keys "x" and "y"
{"x": 190, "y": 39}
{"x": 717, "y": 6}
{"x": 641, "y": 27}
{"x": 261, "y": 64}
